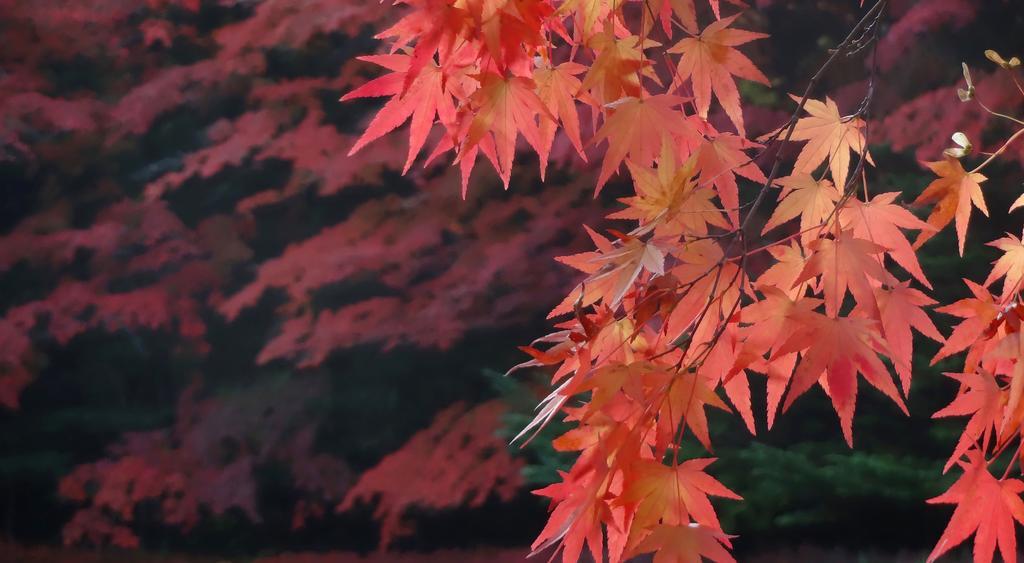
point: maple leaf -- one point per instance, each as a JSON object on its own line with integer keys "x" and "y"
{"x": 1017, "y": 203}
{"x": 628, "y": 131}
{"x": 618, "y": 65}
{"x": 790, "y": 262}
{"x": 422, "y": 100}
{"x": 720, "y": 160}
{"x": 503, "y": 107}
{"x": 508, "y": 25}
{"x": 953, "y": 193}
{"x": 673, "y": 494}
{"x": 557, "y": 87}
{"x": 802, "y": 195}
{"x": 612, "y": 269}
{"x": 978, "y": 313}
{"x": 830, "y": 138}
{"x": 684, "y": 404}
{"x": 434, "y": 25}
{"x": 576, "y": 518}
{"x": 880, "y": 221}
{"x": 980, "y": 398}
{"x": 838, "y": 348}
{"x": 710, "y": 60}
{"x": 668, "y": 199}
{"x": 986, "y": 507}
{"x": 1011, "y": 348}
{"x": 686, "y": 10}
{"x": 686, "y": 543}
{"x": 846, "y": 263}
{"x": 587, "y": 14}
{"x": 1009, "y": 266}
{"x": 770, "y": 322}
{"x": 900, "y": 309}
{"x": 604, "y": 383}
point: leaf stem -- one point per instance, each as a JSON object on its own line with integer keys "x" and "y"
{"x": 1001, "y": 150}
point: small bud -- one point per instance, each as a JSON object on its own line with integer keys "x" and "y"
{"x": 995, "y": 57}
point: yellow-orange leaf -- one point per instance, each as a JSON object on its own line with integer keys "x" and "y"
{"x": 1009, "y": 266}
{"x": 802, "y": 195}
{"x": 830, "y": 138}
{"x": 669, "y": 200}
{"x": 952, "y": 192}
{"x": 618, "y": 65}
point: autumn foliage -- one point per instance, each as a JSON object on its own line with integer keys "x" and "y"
{"x": 169, "y": 251}
{"x": 748, "y": 246}
{"x": 685, "y": 306}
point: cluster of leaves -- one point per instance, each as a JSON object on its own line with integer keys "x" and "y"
{"x": 205, "y": 462}
{"x": 684, "y": 305}
{"x": 993, "y": 371}
{"x": 457, "y": 461}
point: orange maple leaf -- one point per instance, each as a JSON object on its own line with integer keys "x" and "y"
{"x": 830, "y": 138}
{"x": 952, "y": 192}
{"x": 1009, "y": 266}
{"x": 684, "y": 405}
{"x": 618, "y": 65}
{"x": 790, "y": 262}
{"x": 668, "y": 199}
{"x": 814, "y": 201}
{"x": 977, "y": 313}
{"x": 901, "y": 309}
{"x": 579, "y": 509}
{"x": 612, "y": 268}
{"x": 506, "y": 26}
{"x": 586, "y": 14}
{"x": 425, "y": 97}
{"x": 769, "y": 322}
{"x": 720, "y": 160}
{"x": 710, "y": 60}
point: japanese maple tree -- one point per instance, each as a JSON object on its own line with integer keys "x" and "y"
{"x": 686, "y": 304}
